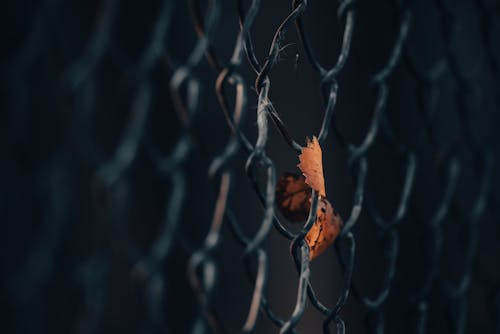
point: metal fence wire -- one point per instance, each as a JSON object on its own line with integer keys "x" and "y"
{"x": 142, "y": 143}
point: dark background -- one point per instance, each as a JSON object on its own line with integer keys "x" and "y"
{"x": 72, "y": 239}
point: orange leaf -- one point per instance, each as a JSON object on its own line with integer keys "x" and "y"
{"x": 293, "y": 197}
{"x": 311, "y": 165}
{"x": 325, "y": 229}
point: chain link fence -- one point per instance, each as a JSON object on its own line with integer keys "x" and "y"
{"x": 142, "y": 144}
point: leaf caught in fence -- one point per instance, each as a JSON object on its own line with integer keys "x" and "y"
{"x": 311, "y": 165}
{"x": 293, "y": 198}
{"x": 325, "y": 229}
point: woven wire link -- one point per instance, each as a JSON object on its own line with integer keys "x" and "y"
{"x": 111, "y": 191}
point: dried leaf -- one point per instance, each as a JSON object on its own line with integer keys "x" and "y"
{"x": 311, "y": 165}
{"x": 293, "y": 197}
{"x": 325, "y": 229}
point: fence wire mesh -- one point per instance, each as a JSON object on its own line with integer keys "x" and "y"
{"x": 142, "y": 144}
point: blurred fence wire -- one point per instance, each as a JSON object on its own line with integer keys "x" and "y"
{"x": 88, "y": 148}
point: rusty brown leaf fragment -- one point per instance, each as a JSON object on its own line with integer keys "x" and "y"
{"x": 293, "y": 197}
{"x": 311, "y": 165}
{"x": 325, "y": 229}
